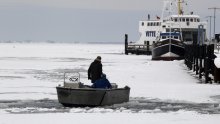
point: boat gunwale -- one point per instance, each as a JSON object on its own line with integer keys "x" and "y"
{"x": 92, "y": 89}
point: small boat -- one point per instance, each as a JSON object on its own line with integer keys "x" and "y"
{"x": 78, "y": 95}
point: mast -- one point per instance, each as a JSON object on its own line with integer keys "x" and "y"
{"x": 180, "y": 12}
{"x": 179, "y": 8}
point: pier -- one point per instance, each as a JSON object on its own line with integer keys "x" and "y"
{"x": 200, "y": 59}
{"x": 144, "y": 49}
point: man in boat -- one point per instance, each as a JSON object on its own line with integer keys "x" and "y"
{"x": 95, "y": 70}
{"x": 103, "y": 82}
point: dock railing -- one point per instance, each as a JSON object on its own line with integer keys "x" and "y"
{"x": 138, "y": 49}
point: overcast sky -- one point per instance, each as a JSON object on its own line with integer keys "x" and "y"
{"x": 83, "y": 20}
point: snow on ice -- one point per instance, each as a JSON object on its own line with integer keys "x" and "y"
{"x": 161, "y": 91}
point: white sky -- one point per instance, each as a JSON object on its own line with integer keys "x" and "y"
{"x": 43, "y": 17}
{"x": 104, "y": 4}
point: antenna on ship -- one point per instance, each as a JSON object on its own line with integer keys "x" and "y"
{"x": 210, "y": 27}
{"x": 179, "y": 7}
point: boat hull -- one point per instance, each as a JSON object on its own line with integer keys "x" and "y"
{"x": 168, "y": 50}
{"x": 92, "y": 97}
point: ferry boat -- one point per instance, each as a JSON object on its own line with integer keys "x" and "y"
{"x": 166, "y": 36}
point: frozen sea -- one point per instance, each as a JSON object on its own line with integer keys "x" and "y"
{"x": 161, "y": 91}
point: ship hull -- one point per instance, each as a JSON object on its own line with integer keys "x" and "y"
{"x": 169, "y": 49}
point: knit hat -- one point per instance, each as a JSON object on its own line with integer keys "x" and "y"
{"x": 98, "y": 58}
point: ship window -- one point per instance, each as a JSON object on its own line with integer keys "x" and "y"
{"x": 187, "y": 19}
{"x": 183, "y": 19}
{"x": 191, "y": 19}
{"x": 171, "y": 19}
{"x": 142, "y": 24}
{"x": 198, "y": 20}
{"x": 175, "y": 19}
{"x": 175, "y": 37}
{"x": 169, "y": 30}
{"x": 163, "y": 37}
{"x": 147, "y": 33}
{"x": 148, "y": 24}
{"x": 194, "y": 19}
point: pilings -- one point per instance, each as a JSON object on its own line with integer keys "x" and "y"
{"x": 217, "y": 39}
{"x": 200, "y": 59}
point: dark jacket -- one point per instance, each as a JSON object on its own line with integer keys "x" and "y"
{"x": 102, "y": 83}
{"x": 95, "y": 71}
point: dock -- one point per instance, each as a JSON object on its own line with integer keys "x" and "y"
{"x": 137, "y": 49}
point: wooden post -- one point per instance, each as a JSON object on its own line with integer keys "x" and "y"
{"x": 201, "y": 59}
{"x": 191, "y": 56}
{"x": 206, "y": 70}
{"x": 197, "y": 59}
{"x": 194, "y": 57}
{"x": 148, "y": 46}
{"x": 212, "y": 58}
{"x": 126, "y": 44}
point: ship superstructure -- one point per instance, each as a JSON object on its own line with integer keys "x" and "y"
{"x": 173, "y": 19}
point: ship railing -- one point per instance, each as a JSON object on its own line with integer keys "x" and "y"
{"x": 139, "y": 46}
{"x": 138, "y": 49}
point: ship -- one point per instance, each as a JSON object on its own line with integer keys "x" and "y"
{"x": 166, "y": 36}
